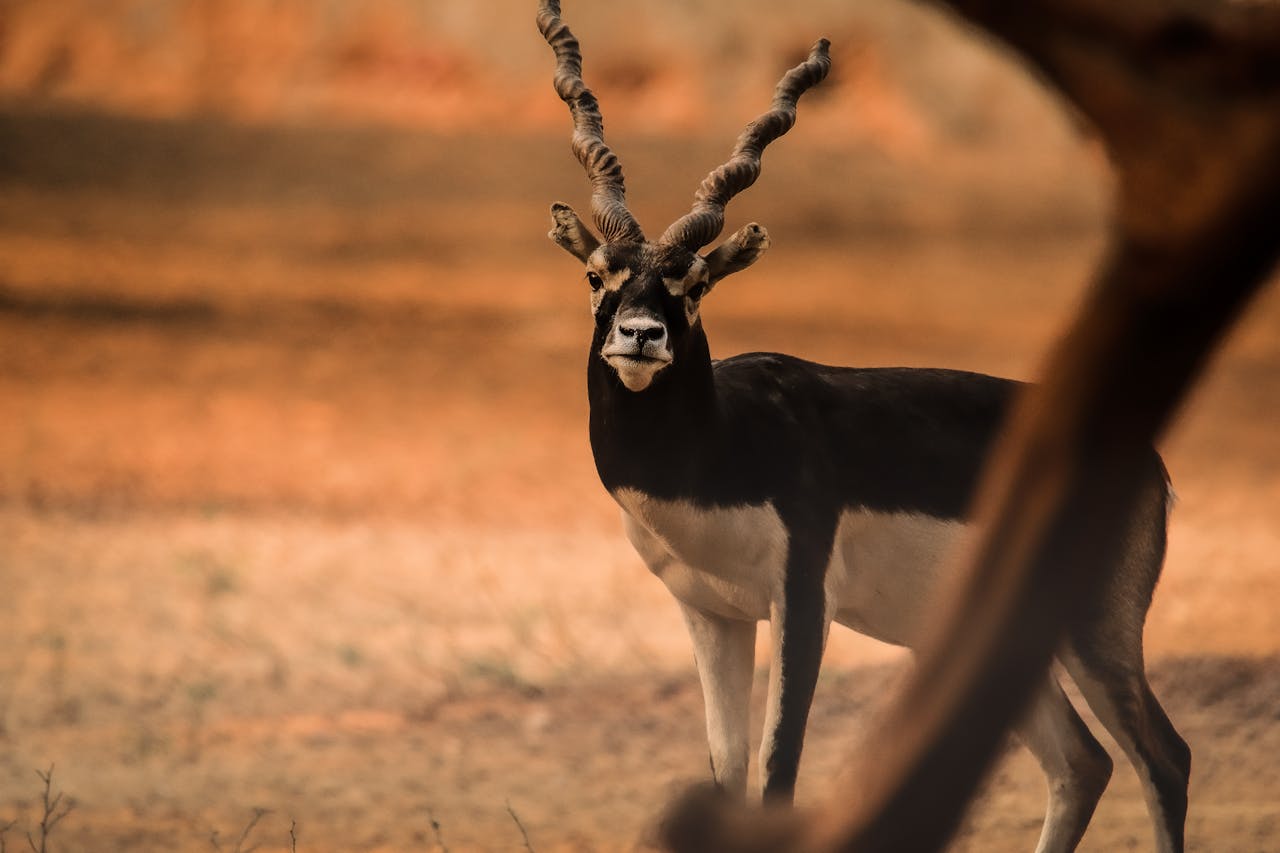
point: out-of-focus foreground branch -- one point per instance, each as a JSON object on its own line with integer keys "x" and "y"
{"x": 1186, "y": 95}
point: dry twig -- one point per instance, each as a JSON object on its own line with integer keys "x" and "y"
{"x": 520, "y": 826}
{"x": 54, "y": 810}
{"x": 258, "y": 814}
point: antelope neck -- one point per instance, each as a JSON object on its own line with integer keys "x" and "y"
{"x": 653, "y": 440}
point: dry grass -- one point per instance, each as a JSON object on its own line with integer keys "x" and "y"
{"x": 297, "y": 510}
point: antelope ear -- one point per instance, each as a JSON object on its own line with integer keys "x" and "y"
{"x": 740, "y": 251}
{"x": 569, "y": 232}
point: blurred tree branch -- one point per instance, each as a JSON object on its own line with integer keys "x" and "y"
{"x": 1186, "y": 95}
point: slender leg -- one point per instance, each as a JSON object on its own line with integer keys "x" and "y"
{"x": 725, "y": 653}
{"x": 799, "y": 630}
{"x": 1075, "y": 765}
{"x": 1123, "y": 701}
{"x": 1105, "y": 658}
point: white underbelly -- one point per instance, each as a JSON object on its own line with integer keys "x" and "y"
{"x": 731, "y": 561}
{"x": 884, "y": 571}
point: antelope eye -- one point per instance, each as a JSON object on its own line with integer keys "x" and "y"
{"x": 696, "y": 292}
{"x": 595, "y": 281}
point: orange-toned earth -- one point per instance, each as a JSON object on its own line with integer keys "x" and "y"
{"x": 297, "y": 511}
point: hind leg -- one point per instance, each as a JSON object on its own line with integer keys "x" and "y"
{"x": 1075, "y": 765}
{"x": 1103, "y": 653}
{"x": 1118, "y": 692}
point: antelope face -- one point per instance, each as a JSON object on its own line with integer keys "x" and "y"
{"x": 645, "y": 296}
{"x": 645, "y": 301}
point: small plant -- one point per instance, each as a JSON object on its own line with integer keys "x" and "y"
{"x": 350, "y": 655}
{"x": 55, "y": 808}
{"x": 216, "y": 577}
{"x": 200, "y": 695}
{"x": 500, "y": 672}
{"x": 258, "y": 814}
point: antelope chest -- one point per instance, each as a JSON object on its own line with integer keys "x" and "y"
{"x": 726, "y": 560}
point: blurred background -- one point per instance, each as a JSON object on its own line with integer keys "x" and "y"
{"x": 297, "y": 510}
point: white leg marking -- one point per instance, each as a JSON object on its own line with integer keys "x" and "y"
{"x": 773, "y": 701}
{"x": 725, "y": 653}
{"x": 1075, "y": 766}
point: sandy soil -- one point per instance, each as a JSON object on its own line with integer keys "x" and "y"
{"x": 297, "y": 510}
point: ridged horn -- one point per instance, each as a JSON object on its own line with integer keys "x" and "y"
{"x": 608, "y": 193}
{"x": 705, "y": 222}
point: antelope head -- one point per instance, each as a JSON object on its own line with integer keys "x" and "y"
{"x": 645, "y": 294}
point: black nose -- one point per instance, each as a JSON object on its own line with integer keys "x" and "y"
{"x": 643, "y": 331}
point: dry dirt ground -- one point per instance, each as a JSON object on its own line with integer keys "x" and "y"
{"x": 297, "y": 511}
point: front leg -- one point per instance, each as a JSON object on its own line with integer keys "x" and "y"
{"x": 725, "y": 653}
{"x": 798, "y": 622}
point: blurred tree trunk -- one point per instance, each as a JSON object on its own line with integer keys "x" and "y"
{"x": 1186, "y": 95}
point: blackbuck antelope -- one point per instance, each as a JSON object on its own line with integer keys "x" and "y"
{"x": 767, "y": 487}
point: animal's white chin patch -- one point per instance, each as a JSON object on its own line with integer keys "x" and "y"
{"x": 636, "y": 373}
